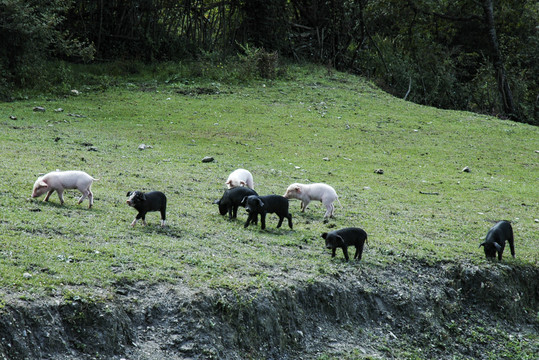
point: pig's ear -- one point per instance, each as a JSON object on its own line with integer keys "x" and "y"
{"x": 242, "y": 183}
{"x": 43, "y": 184}
{"x": 243, "y": 201}
{"x": 216, "y": 202}
{"x": 340, "y": 240}
{"x": 482, "y": 244}
{"x": 143, "y": 197}
{"x": 324, "y": 235}
{"x": 260, "y": 202}
{"x": 498, "y": 247}
{"x": 298, "y": 189}
{"x": 129, "y": 193}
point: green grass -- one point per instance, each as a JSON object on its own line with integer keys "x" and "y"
{"x": 281, "y": 131}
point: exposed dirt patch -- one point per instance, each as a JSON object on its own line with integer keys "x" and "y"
{"x": 200, "y": 91}
{"x": 404, "y": 310}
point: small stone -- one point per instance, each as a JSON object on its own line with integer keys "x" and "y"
{"x": 27, "y": 275}
{"x": 187, "y": 347}
{"x": 378, "y": 171}
{"x": 58, "y": 110}
{"x": 326, "y": 159}
{"x": 92, "y": 148}
{"x": 39, "y": 108}
{"x": 208, "y": 159}
{"x": 75, "y": 92}
{"x": 142, "y": 147}
{"x": 11, "y": 117}
{"x": 467, "y": 169}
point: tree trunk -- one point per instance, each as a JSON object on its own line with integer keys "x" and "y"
{"x": 508, "y": 104}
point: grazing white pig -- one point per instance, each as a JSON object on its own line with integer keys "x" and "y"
{"x": 61, "y": 180}
{"x": 308, "y": 192}
{"x": 240, "y": 177}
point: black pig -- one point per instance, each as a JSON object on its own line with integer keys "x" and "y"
{"x": 495, "y": 240}
{"x": 263, "y": 205}
{"x": 346, "y": 237}
{"x": 144, "y": 202}
{"x": 231, "y": 200}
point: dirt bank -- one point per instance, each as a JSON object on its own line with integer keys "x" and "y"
{"x": 407, "y": 310}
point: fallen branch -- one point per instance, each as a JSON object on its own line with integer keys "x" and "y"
{"x": 429, "y": 193}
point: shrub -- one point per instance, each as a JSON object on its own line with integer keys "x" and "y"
{"x": 257, "y": 62}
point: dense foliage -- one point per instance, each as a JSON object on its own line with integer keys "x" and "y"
{"x": 31, "y": 33}
{"x": 449, "y": 54}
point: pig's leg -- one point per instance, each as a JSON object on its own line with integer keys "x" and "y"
{"x": 90, "y": 199}
{"x": 333, "y": 252}
{"x": 48, "y": 195}
{"x": 163, "y": 217}
{"x": 138, "y": 217}
{"x": 281, "y": 218}
{"x": 61, "y": 196}
{"x": 512, "y": 244}
{"x": 345, "y": 252}
{"x": 84, "y": 195}
{"x": 359, "y": 250}
{"x": 304, "y": 204}
{"x": 329, "y": 210}
{"x": 263, "y": 220}
{"x": 289, "y": 217}
{"x": 249, "y": 220}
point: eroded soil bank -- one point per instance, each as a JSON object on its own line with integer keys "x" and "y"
{"x": 408, "y": 310}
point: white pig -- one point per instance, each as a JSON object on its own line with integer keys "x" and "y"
{"x": 60, "y": 180}
{"x": 307, "y": 192}
{"x": 240, "y": 177}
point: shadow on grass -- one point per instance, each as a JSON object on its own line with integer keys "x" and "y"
{"x": 156, "y": 229}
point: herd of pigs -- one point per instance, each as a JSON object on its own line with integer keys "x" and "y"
{"x": 240, "y": 192}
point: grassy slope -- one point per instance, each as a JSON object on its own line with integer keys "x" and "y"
{"x": 281, "y": 131}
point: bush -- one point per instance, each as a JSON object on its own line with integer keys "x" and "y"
{"x": 29, "y": 36}
{"x": 257, "y": 62}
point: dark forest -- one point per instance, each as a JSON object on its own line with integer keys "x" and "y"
{"x": 476, "y": 55}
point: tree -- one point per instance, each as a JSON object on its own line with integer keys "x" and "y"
{"x": 29, "y": 36}
{"x": 508, "y": 104}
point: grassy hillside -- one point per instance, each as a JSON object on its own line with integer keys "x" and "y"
{"x": 312, "y": 127}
